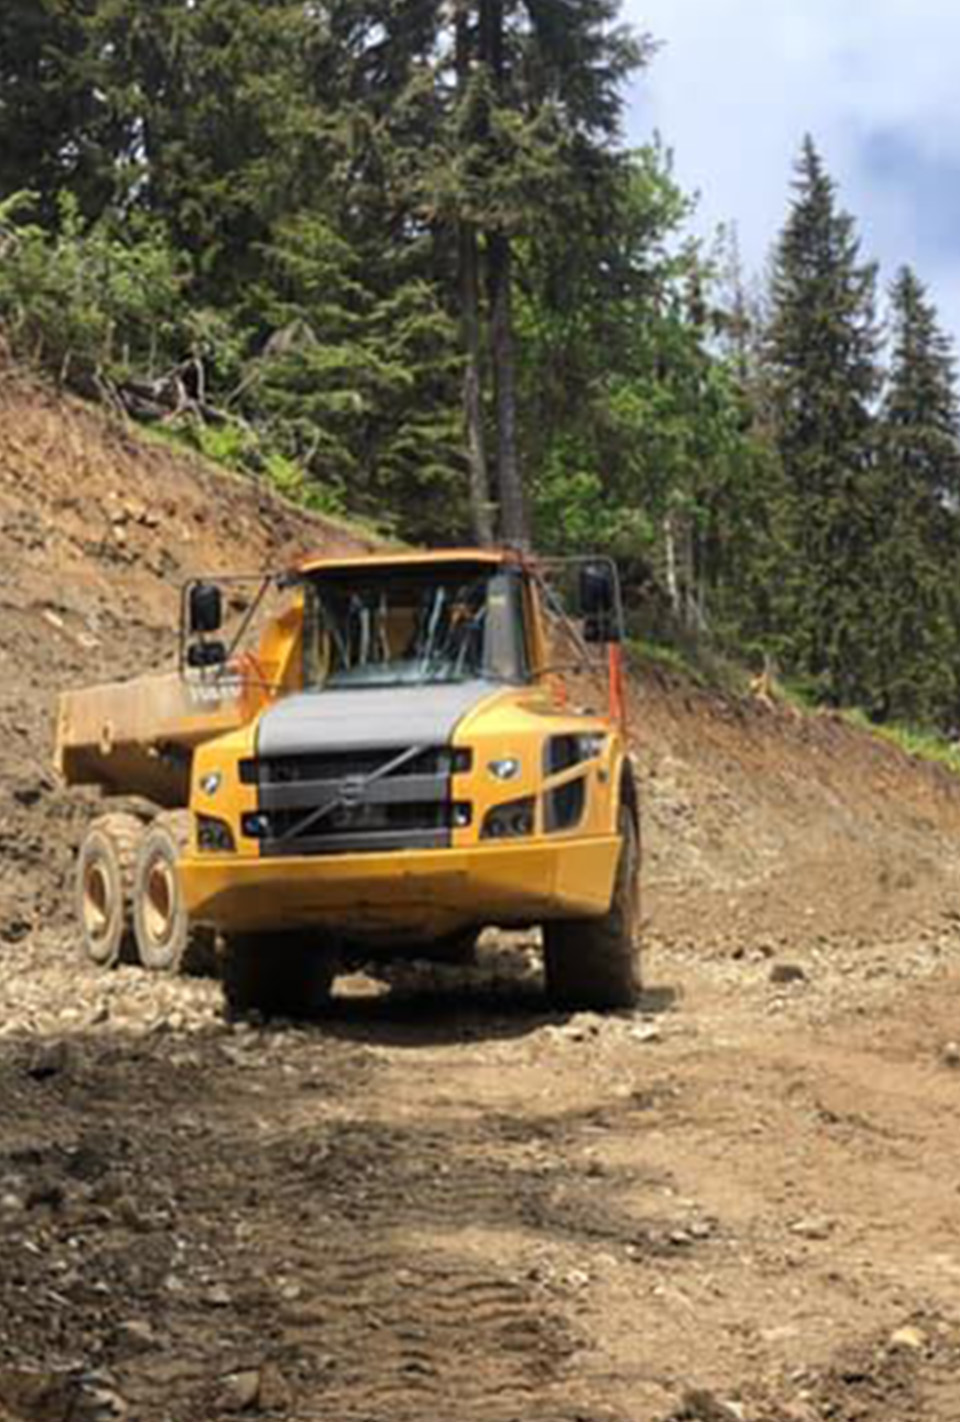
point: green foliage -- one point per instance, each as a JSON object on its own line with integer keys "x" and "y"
{"x": 919, "y": 742}
{"x": 56, "y": 128}
{"x": 356, "y": 386}
{"x": 638, "y": 431}
{"x": 87, "y": 302}
{"x": 292, "y": 481}
{"x": 917, "y": 563}
{"x": 694, "y": 661}
{"x": 214, "y": 132}
{"x": 376, "y": 247}
{"x": 233, "y": 445}
{"x": 824, "y": 376}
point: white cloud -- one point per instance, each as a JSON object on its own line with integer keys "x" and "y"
{"x": 738, "y": 82}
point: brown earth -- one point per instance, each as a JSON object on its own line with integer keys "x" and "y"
{"x": 444, "y": 1200}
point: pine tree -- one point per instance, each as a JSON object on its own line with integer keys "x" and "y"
{"x": 524, "y": 148}
{"x": 220, "y": 138}
{"x": 822, "y": 349}
{"x": 412, "y": 261}
{"x": 56, "y": 128}
{"x": 918, "y": 556}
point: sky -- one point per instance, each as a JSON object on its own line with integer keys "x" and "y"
{"x": 737, "y": 83}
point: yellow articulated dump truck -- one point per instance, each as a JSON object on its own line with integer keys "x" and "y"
{"x": 361, "y": 757}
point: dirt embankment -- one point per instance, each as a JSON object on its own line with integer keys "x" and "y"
{"x": 98, "y": 531}
{"x": 793, "y": 828}
{"x": 738, "y": 1203}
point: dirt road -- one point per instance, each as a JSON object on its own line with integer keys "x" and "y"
{"x": 443, "y": 1202}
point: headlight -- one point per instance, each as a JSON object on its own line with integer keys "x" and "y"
{"x": 511, "y": 821}
{"x": 508, "y": 768}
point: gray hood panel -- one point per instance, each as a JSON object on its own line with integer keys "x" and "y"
{"x": 349, "y": 720}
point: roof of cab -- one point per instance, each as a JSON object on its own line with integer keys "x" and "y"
{"x": 491, "y": 556}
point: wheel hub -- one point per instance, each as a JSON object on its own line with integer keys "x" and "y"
{"x": 159, "y": 902}
{"x": 96, "y": 901}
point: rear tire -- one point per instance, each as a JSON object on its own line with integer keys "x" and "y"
{"x": 278, "y": 975}
{"x": 594, "y": 963}
{"x": 160, "y": 920}
{"x": 104, "y": 888}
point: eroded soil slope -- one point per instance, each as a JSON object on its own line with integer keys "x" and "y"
{"x": 98, "y": 531}
{"x": 790, "y": 828}
{"x": 740, "y": 1202}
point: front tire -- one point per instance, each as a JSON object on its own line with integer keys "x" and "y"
{"x": 594, "y": 963}
{"x": 278, "y": 975}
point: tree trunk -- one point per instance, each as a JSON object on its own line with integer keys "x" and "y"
{"x": 481, "y": 508}
{"x": 514, "y": 526}
{"x": 670, "y": 551}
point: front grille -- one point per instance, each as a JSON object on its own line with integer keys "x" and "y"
{"x": 334, "y": 765}
{"x": 369, "y": 827}
{"x": 351, "y": 801}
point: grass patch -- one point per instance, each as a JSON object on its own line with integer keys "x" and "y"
{"x": 696, "y": 663}
{"x": 923, "y": 745}
{"x": 800, "y": 695}
{"x": 281, "y": 476}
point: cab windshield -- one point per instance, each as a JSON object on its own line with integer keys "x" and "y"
{"x": 413, "y": 627}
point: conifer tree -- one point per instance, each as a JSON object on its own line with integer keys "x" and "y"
{"x": 524, "y": 149}
{"x": 822, "y": 349}
{"x": 918, "y": 555}
{"x": 56, "y": 128}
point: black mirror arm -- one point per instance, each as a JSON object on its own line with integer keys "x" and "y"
{"x": 249, "y": 616}
{"x": 557, "y": 608}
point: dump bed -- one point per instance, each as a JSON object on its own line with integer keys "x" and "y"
{"x": 136, "y": 737}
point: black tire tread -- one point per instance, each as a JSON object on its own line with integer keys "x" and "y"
{"x": 198, "y": 951}
{"x": 123, "y": 830}
{"x": 593, "y": 963}
{"x": 277, "y": 975}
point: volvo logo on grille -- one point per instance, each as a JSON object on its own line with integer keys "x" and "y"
{"x": 352, "y": 791}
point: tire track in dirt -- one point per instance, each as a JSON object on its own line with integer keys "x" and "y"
{"x": 422, "y": 1319}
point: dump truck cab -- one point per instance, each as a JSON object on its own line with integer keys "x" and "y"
{"x": 396, "y": 764}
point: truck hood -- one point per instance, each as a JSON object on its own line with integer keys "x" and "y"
{"x": 372, "y": 719}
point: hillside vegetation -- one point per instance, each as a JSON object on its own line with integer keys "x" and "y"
{"x": 397, "y": 260}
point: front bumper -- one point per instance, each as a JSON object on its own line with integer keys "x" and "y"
{"x": 425, "y": 893}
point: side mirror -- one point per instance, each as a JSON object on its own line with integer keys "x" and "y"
{"x": 203, "y": 656}
{"x": 599, "y": 604}
{"x": 205, "y": 610}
